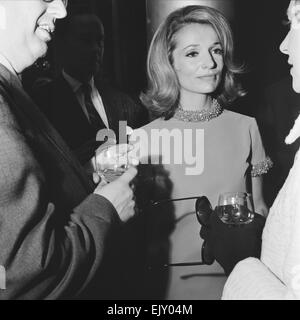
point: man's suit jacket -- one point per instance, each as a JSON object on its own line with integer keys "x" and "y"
{"x": 52, "y": 229}
{"x": 59, "y": 103}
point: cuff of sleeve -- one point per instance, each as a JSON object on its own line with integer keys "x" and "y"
{"x": 261, "y": 168}
{"x": 98, "y": 206}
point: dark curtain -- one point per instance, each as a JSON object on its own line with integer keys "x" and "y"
{"x": 125, "y": 43}
{"x": 258, "y": 32}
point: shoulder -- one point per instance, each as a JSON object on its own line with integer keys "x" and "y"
{"x": 238, "y": 118}
{"x": 105, "y": 88}
{"x": 5, "y": 113}
{"x": 50, "y": 94}
{"x": 116, "y": 98}
{"x": 44, "y": 88}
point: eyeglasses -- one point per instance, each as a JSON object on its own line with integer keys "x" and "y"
{"x": 203, "y": 210}
{"x": 65, "y": 2}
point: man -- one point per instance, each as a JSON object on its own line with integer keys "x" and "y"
{"x": 79, "y": 102}
{"x": 53, "y": 223}
{"x": 276, "y": 274}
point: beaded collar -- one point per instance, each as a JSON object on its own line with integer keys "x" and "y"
{"x": 202, "y": 115}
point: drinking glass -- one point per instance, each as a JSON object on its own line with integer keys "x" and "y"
{"x": 235, "y": 208}
{"x": 111, "y": 161}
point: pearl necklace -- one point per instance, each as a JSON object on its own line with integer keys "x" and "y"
{"x": 202, "y": 115}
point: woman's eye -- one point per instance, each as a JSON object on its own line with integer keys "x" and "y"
{"x": 218, "y": 51}
{"x": 192, "y": 54}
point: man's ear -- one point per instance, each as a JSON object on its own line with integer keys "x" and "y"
{"x": 2, "y": 17}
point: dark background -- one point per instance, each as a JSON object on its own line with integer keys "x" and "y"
{"x": 257, "y": 27}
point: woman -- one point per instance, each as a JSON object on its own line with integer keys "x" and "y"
{"x": 191, "y": 78}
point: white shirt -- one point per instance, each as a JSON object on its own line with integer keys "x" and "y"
{"x": 95, "y": 96}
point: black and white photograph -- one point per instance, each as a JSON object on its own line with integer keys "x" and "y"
{"x": 149, "y": 152}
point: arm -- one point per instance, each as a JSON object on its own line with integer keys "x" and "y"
{"x": 258, "y": 199}
{"x": 44, "y": 257}
{"x": 261, "y": 164}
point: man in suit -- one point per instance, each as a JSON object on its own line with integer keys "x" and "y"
{"x": 79, "y": 102}
{"x": 54, "y": 223}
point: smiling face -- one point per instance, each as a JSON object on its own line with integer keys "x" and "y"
{"x": 198, "y": 59}
{"x": 29, "y": 25}
{"x": 291, "y": 44}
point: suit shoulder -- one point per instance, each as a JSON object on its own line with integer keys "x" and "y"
{"x": 5, "y": 113}
{"x": 42, "y": 90}
{"x": 114, "y": 93}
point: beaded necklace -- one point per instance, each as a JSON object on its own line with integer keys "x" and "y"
{"x": 202, "y": 115}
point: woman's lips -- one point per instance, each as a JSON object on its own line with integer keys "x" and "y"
{"x": 209, "y": 77}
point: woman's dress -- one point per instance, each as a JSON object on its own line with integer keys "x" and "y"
{"x": 196, "y": 159}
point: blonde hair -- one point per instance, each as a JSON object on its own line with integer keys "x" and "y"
{"x": 163, "y": 93}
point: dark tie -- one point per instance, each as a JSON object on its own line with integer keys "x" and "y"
{"x": 94, "y": 118}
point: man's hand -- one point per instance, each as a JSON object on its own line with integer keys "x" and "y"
{"x": 115, "y": 156}
{"x": 120, "y": 194}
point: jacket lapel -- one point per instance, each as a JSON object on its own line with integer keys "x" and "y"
{"x": 37, "y": 124}
{"x": 69, "y": 101}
